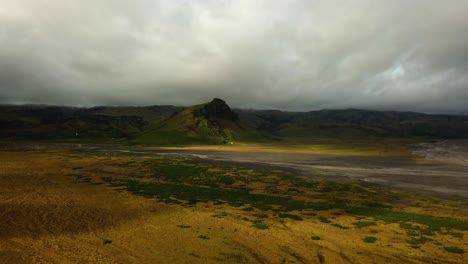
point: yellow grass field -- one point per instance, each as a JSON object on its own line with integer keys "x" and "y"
{"x": 56, "y": 207}
{"x": 360, "y": 148}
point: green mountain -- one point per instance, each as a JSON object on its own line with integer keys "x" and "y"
{"x": 356, "y": 123}
{"x": 212, "y": 123}
{"x": 65, "y": 123}
{"x": 216, "y": 123}
{"x": 152, "y": 115}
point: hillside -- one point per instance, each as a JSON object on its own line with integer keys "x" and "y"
{"x": 65, "y": 123}
{"x": 152, "y": 115}
{"x": 356, "y": 123}
{"x": 212, "y": 122}
{"x": 216, "y": 123}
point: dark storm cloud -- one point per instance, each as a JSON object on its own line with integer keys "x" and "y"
{"x": 403, "y": 55}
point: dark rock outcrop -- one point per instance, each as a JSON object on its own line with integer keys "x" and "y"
{"x": 217, "y": 109}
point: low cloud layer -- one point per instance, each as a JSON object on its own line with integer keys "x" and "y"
{"x": 290, "y": 54}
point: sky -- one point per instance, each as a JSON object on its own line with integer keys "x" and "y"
{"x": 407, "y": 55}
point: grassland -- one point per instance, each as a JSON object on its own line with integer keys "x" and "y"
{"x": 69, "y": 206}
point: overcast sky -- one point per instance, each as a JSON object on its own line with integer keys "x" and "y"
{"x": 285, "y": 54}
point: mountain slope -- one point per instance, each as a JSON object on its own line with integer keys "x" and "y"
{"x": 64, "y": 123}
{"x": 213, "y": 123}
{"x": 153, "y": 115}
{"x": 356, "y": 123}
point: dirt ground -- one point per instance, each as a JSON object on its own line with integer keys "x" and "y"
{"x": 46, "y": 216}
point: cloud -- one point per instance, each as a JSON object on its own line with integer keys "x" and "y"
{"x": 291, "y": 54}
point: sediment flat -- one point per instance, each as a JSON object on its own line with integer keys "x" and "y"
{"x": 441, "y": 177}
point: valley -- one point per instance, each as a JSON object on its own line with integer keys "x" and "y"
{"x": 112, "y": 204}
{"x": 218, "y": 132}
{"x": 208, "y": 184}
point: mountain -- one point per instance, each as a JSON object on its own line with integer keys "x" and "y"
{"x": 152, "y": 115}
{"x": 212, "y": 122}
{"x": 65, "y": 123}
{"x": 215, "y": 123}
{"x": 356, "y": 123}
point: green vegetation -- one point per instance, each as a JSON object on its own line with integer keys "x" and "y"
{"x": 455, "y": 250}
{"x": 339, "y": 226}
{"x": 416, "y": 241}
{"x": 260, "y": 215}
{"x": 186, "y": 182}
{"x": 392, "y": 216}
{"x": 414, "y": 230}
{"x": 309, "y": 214}
{"x": 190, "y": 173}
{"x": 376, "y": 205}
{"x": 80, "y": 178}
{"x": 369, "y": 239}
{"x": 203, "y": 237}
{"x": 190, "y": 182}
{"x": 457, "y": 235}
{"x": 291, "y": 216}
{"x": 106, "y": 241}
{"x": 194, "y": 194}
{"x": 260, "y": 225}
{"x": 263, "y": 196}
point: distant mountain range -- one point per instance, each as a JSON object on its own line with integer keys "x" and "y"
{"x": 215, "y": 122}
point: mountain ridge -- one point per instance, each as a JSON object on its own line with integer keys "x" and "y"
{"x": 215, "y": 122}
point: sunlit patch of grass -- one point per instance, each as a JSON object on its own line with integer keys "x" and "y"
{"x": 220, "y": 215}
{"x": 363, "y": 223}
